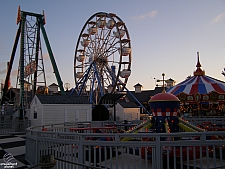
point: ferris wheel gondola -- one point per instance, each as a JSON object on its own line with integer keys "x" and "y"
{"x": 102, "y": 62}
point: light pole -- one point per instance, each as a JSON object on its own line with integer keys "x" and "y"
{"x": 163, "y": 80}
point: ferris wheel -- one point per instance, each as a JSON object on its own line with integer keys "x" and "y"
{"x": 102, "y": 62}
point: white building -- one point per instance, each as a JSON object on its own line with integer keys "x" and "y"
{"x": 127, "y": 111}
{"x": 49, "y": 109}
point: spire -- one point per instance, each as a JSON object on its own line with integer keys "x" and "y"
{"x": 198, "y": 63}
{"x": 199, "y": 71}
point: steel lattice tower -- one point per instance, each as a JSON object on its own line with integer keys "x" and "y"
{"x": 31, "y": 66}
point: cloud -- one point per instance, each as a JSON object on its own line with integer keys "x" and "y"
{"x": 219, "y": 17}
{"x": 151, "y": 14}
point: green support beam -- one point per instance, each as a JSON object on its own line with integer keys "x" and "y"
{"x": 60, "y": 83}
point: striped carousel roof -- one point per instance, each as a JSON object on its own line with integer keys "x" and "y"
{"x": 199, "y": 83}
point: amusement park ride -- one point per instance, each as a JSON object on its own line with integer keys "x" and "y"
{"x": 102, "y": 66}
{"x": 102, "y": 57}
{"x": 102, "y": 62}
{"x": 31, "y": 66}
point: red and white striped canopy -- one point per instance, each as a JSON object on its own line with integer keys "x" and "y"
{"x": 198, "y": 84}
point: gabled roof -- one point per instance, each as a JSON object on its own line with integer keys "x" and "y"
{"x": 110, "y": 98}
{"x": 13, "y": 95}
{"x": 128, "y": 105}
{"x": 170, "y": 79}
{"x": 138, "y": 84}
{"x": 53, "y": 84}
{"x": 157, "y": 90}
{"x": 63, "y": 99}
{"x": 144, "y": 95}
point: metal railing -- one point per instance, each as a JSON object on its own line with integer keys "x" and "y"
{"x": 218, "y": 120}
{"x": 106, "y": 150}
{"x": 14, "y": 126}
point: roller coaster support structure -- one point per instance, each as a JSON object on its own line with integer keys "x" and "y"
{"x": 31, "y": 59}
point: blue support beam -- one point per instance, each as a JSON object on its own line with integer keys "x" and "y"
{"x": 85, "y": 79}
{"x": 98, "y": 79}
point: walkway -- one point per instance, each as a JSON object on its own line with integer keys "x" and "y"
{"x": 15, "y": 145}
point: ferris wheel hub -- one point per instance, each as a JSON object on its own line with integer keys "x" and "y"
{"x": 101, "y": 60}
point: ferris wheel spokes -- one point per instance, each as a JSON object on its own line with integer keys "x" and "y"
{"x": 102, "y": 50}
{"x": 78, "y": 87}
{"x": 85, "y": 79}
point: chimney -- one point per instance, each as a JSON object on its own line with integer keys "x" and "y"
{"x": 138, "y": 88}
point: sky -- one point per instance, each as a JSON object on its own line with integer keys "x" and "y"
{"x": 165, "y": 36}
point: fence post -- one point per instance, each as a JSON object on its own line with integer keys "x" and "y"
{"x": 80, "y": 151}
{"x": 47, "y": 162}
{"x": 158, "y": 152}
{"x": 37, "y": 149}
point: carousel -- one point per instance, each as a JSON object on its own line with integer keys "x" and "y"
{"x": 200, "y": 95}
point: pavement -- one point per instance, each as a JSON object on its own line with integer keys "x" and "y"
{"x": 12, "y": 149}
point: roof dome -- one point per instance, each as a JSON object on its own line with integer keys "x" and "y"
{"x": 164, "y": 97}
{"x": 164, "y": 104}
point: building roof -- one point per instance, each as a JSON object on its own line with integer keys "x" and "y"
{"x": 53, "y": 84}
{"x": 13, "y": 96}
{"x": 143, "y": 96}
{"x": 110, "y": 98}
{"x": 170, "y": 79}
{"x": 138, "y": 84}
{"x": 128, "y": 105}
{"x": 63, "y": 99}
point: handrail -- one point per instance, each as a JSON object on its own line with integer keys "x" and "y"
{"x": 57, "y": 139}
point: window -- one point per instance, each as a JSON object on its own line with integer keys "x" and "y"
{"x": 35, "y": 112}
{"x": 35, "y": 115}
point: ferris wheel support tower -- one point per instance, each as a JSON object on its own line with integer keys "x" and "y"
{"x": 31, "y": 66}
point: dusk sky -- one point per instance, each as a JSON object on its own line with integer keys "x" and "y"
{"x": 165, "y": 36}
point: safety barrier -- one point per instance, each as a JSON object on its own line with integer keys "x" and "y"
{"x": 14, "y": 126}
{"x": 218, "y": 120}
{"x": 77, "y": 150}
